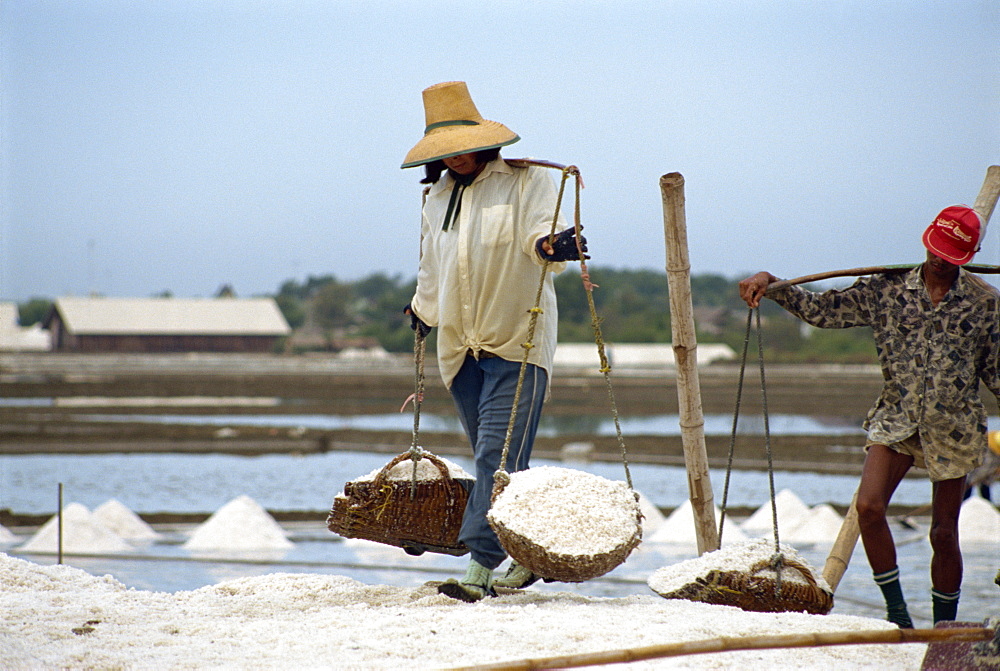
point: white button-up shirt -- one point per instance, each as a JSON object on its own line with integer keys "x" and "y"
{"x": 478, "y": 280}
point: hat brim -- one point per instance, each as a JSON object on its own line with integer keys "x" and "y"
{"x": 938, "y": 246}
{"x": 455, "y": 140}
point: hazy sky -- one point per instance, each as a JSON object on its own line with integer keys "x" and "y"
{"x": 181, "y": 145}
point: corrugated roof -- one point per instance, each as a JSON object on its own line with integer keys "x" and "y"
{"x": 172, "y": 316}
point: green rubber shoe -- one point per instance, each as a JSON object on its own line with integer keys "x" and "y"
{"x": 517, "y": 577}
{"x": 475, "y": 586}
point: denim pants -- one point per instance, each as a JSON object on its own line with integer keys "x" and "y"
{"x": 484, "y": 393}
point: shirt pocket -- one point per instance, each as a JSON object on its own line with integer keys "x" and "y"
{"x": 497, "y": 225}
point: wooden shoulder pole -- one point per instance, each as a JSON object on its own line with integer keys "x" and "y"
{"x": 987, "y": 198}
{"x": 685, "y": 355}
{"x": 843, "y": 547}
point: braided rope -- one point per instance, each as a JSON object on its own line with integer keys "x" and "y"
{"x": 777, "y": 560}
{"x": 416, "y": 452}
{"x": 736, "y": 416}
{"x": 595, "y": 322}
{"x": 501, "y": 477}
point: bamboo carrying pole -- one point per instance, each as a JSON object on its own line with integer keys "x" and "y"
{"x": 685, "y": 346}
{"x": 840, "y": 554}
{"x": 732, "y": 643}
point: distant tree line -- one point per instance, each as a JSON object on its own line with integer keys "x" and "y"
{"x": 632, "y": 305}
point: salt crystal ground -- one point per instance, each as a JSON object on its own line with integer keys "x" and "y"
{"x": 61, "y": 617}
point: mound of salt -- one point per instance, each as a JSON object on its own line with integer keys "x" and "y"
{"x": 820, "y": 525}
{"x": 741, "y": 557}
{"x": 679, "y": 527}
{"x": 242, "y": 524}
{"x": 790, "y": 509}
{"x": 979, "y": 521}
{"x": 116, "y": 516}
{"x": 426, "y": 470}
{"x": 81, "y": 534}
{"x": 652, "y": 518}
{"x": 567, "y": 512}
{"x": 7, "y": 536}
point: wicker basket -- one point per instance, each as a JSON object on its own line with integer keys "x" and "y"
{"x": 423, "y": 517}
{"x": 555, "y": 566}
{"x": 757, "y": 593}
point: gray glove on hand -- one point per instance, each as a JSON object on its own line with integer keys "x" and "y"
{"x": 564, "y": 246}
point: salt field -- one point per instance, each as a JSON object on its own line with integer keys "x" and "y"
{"x": 241, "y": 539}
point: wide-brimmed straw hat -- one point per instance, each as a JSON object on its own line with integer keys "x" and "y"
{"x": 454, "y": 126}
{"x": 955, "y": 234}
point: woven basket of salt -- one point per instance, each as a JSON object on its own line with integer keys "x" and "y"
{"x": 566, "y": 525}
{"x": 745, "y": 579}
{"x": 387, "y": 506}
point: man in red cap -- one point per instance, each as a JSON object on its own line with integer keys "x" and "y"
{"x": 937, "y": 332}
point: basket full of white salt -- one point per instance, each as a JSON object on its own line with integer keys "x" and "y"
{"x": 566, "y": 525}
{"x": 413, "y": 504}
{"x": 750, "y": 576}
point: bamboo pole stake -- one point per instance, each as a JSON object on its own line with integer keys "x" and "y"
{"x": 840, "y": 554}
{"x": 685, "y": 346}
{"x": 732, "y": 643}
{"x": 59, "y": 532}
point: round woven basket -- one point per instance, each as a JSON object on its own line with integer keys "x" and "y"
{"x": 562, "y": 567}
{"x": 557, "y": 566}
{"x": 750, "y": 591}
{"x": 422, "y": 516}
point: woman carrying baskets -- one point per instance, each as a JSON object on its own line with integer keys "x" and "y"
{"x": 484, "y": 236}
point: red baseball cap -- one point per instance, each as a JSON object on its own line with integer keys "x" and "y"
{"x": 955, "y": 234}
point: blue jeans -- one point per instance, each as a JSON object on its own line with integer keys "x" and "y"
{"x": 484, "y": 393}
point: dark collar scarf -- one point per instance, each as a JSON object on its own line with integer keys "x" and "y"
{"x": 455, "y": 204}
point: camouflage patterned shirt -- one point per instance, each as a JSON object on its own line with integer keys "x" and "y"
{"x": 932, "y": 359}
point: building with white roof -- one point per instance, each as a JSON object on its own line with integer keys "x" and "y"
{"x": 166, "y": 325}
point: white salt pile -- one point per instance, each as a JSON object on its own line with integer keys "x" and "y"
{"x": 820, "y": 525}
{"x": 242, "y": 524}
{"x": 7, "y": 536}
{"x": 567, "y": 512}
{"x": 57, "y": 617}
{"x": 81, "y": 534}
{"x": 679, "y": 527}
{"x": 979, "y": 521}
{"x": 790, "y": 509}
{"x": 652, "y": 518}
{"x": 426, "y": 470}
{"x": 116, "y": 516}
{"x": 742, "y": 557}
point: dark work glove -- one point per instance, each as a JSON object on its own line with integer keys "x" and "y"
{"x": 563, "y": 247}
{"x": 416, "y": 323}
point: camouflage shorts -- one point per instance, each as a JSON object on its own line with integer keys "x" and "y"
{"x": 940, "y": 465}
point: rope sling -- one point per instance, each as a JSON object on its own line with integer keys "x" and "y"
{"x": 777, "y": 560}
{"x": 501, "y": 477}
{"x": 749, "y": 589}
{"x": 522, "y": 546}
